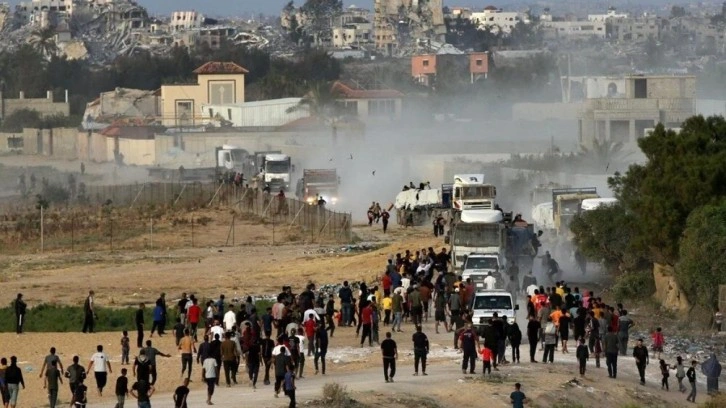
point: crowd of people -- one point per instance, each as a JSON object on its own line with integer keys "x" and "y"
{"x": 223, "y": 336}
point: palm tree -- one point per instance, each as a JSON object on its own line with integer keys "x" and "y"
{"x": 320, "y": 103}
{"x": 43, "y": 42}
{"x": 602, "y": 153}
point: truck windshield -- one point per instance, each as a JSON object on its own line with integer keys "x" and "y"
{"x": 570, "y": 207}
{"x": 477, "y": 235}
{"x": 238, "y": 155}
{"x": 493, "y": 302}
{"x": 481, "y": 263}
{"x": 278, "y": 167}
{"x": 477, "y": 192}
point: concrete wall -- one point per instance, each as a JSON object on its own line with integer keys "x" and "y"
{"x": 136, "y": 152}
{"x": 44, "y": 106}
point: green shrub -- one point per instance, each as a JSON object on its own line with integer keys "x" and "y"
{"x": 633, "y": 285}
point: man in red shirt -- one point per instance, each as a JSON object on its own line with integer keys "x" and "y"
{"x": 386, "y": 283}
{"x": 366, "y": 317}
{"x": 194, "y": 314}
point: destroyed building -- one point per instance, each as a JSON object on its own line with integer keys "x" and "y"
{"x": 399, "y": 24}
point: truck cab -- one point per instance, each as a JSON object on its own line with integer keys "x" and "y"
{"x": 477, "y": 266}
{"x": 232, "y": 159}
{"x": 470, "y": 193}
{"x": 277, "y": 171}
{"x": 478, "y": 232}
{"x": 566, "y": 203}
{"x": 486, "y": 302}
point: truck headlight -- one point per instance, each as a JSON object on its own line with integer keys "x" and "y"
{"x": 310, "y": 200}
{"x": 334, "y": 200}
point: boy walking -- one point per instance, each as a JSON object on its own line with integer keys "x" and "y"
{"x": 691, "y": 375}
{"x": 583, "y": 354}
{"x": 122, "y": 388}
{"x": 290, "y": 385}
{"x": 125, "y": 348}
{"x": 517, "y": 397}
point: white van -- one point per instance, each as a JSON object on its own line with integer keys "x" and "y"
{"x": 487, "y": 302}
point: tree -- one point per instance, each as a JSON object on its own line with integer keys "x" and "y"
{"x": 320, "y": 103}
{"x": 601, "y": 154}
{"x": 678, "y": 11}
{"x": 683, "y": 172}
{"x": 320, "y": 15}
{"x": 605, "y": 234}
{"x": 43, "y": 41}
{"x": 702, "y": 266}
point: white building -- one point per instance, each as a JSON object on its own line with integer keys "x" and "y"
{"x": 612, "y": 13}
{"x": 496, "y": 20}
{"x": 185, "y": 20}
{"x": 353, "y": 34}
{"x": 580, "y": 30}
{"x": 269, "y": 113}
{"x": 32, "y": 10}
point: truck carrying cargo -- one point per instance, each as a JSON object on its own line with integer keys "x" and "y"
{"x": 318, "y": 183}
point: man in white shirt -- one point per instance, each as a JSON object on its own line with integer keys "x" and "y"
{"x": 99, "y": 362}
{"x": 311, "y": 314}
{"x": 209, "y": 373}
{"x": 216, "y": 329}
{"x": 405, "y": 282}
{"x": 230, "y": 319}
{"x": 530, "y": 289}
{"x": 490, "y": 281}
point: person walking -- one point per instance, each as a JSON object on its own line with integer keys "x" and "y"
{"x": 533, "y": 330}
{"x": 289, "y": 386}
{"x": 79, "y": 398}
{"x": 209, "y": 375}
{"x": 89, "y": 313}
{"x": 691, "y": 374}
{"x": 420, "y": 350}
{"x": 14, "y": 379}
{"x": 583, "y": 354}
{"x": 254, "y": 359}
{"x": 229, "y": 358}
{"x": 517, "y": 397}
{"x": 187, "y": 347}
{"x": 151, "y": 353}
{"x": 680, "y": 373}
{"x": 125, "y": 348}
{"x": 122, "y": 388}
{"x": 550, "y": 335}
{"x": 625, "y": 323}
{"x": 142, "y": 391}
{"x": 20, "y": 307}
{"x": 75, "y": 374}
{"x": 665, "y": 372}
{"x": 139, "y": 321}
{"x": 101, "y": 368}
{"x": 181, "y": 393}
{"x": 642, "y": 357}
{"x": 321, "y": 346}
{"x": 389, "y": 351}
{"x": 51, "y": 382}
{"x": 282, "y": 357}
{"x": 49, "y": 359}
{"x": 469, "y": 344}
{"x": 157, "y": 319}
{"x": 345, "y": 294}
{"x": 711, "y": 368}
{"x": 514, "y": 334}
{"x": 366, "y": 317}
{"x": 611, "y": 345}
{"x": 397, "y": 310}
{"x": 267, "y": 346}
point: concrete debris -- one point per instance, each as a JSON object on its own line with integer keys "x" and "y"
{"x": 102, "y": 32}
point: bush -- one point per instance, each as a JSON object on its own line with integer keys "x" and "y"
{"x": 634, "y": 285}
{"x": 336, "y": 395}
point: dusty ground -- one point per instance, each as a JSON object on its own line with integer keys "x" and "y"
{"x": 255, "y": 266}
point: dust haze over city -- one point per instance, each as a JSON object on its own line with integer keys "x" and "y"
{"x": 240, "y": 144}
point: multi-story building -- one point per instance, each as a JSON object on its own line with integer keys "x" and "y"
{"x": 612, "y": 13}
{"x": 218, "y": 83}
{"x": 574, "y": 30}
{"x": 214, "y": 37}
{"x": 628, "y": 29}
{"x": 620, "y": 109}
{"x": 424, "y": 68}
{"x": 186, "y": 20}
{"x": 354, "y": 14}
{"x": 31, "y": 11}
{"x": 398, "y": 23}
{"x": 353, "y": 34}
{"x": 498, "y": 21}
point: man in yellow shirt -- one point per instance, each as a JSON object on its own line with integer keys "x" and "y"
{"x": 387, "y": 306}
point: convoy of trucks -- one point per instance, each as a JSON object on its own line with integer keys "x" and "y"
{"x": 317, "y": 183}
{"x": 272, "y": 168}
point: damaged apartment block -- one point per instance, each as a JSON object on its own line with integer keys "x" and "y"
{"x": 400, "y": 24}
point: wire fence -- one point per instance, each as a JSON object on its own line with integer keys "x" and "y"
{"x": 137, "y": 216}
